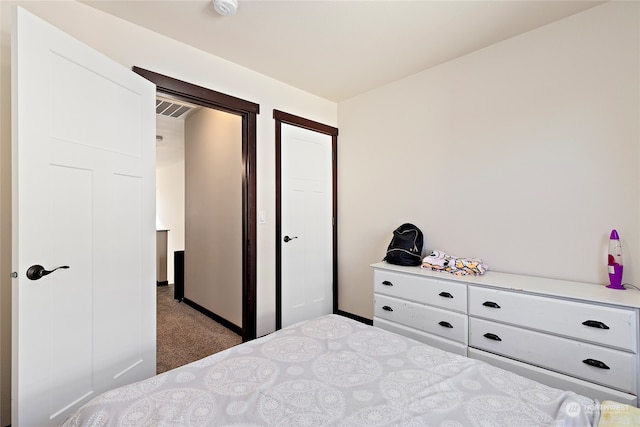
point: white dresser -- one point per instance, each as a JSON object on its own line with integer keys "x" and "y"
{"x": 575, "y": 336}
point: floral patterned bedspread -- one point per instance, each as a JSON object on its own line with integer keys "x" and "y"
{"x": 335, "y": 371}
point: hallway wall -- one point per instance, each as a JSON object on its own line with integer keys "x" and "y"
{"x": 213, "y": 212}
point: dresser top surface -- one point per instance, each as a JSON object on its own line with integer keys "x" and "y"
{"x": 531, "y": 284}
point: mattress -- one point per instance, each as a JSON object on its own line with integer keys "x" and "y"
{"x": 335, "y": 371}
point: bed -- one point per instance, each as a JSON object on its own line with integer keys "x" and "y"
{"x": 336, "y": 371}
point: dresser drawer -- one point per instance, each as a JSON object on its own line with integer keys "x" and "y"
{"x": 424, "y": 337}
{"x": 447, "y": 324}
{"x": 614, "y": 327}
{"x": 555, "y": 379}
{"x": 439, "y": 293}
{"x": 613, "y": 368}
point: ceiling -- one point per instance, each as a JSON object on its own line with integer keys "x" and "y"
{"x": 337, "y": 49}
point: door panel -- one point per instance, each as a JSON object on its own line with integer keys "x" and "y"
{"x": 84, "y": 197}
{"x": 76, "y": 123}
{"x": 307, "y": 218}
{"x": 72, "y": 216}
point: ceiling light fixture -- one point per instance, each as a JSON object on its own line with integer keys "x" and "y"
{"x": 225, "y": 7}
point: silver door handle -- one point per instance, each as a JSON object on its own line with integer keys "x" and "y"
{"x": 36, "y": 271}
{"x": 287, "y": 238}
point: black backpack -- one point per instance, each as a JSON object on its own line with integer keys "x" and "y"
{"x": 406, "y": 246}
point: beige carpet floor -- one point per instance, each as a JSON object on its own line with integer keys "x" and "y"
{"x": 185, "y": 335}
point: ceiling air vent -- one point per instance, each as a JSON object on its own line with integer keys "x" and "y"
{"x": 171, "y": 109}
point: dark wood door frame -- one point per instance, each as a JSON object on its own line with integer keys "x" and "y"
{"x": 286, "y": 118}
{"x": 248, "y": 111}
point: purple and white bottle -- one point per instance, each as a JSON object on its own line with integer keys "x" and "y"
{"x": 615, "y": 262}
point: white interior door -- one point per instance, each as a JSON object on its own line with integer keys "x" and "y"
{"x": 83, "y": 197}
{"x": 306, "y": 223}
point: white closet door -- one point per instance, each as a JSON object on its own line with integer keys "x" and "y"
{"x": 307, "y": 247}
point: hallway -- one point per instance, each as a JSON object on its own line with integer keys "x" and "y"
{"x": 185, "y": 335}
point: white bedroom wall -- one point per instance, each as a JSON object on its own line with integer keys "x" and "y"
{"x": 524, "y": 154}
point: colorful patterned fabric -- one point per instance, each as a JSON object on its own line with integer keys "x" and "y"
{"x": 440, "y": 261}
